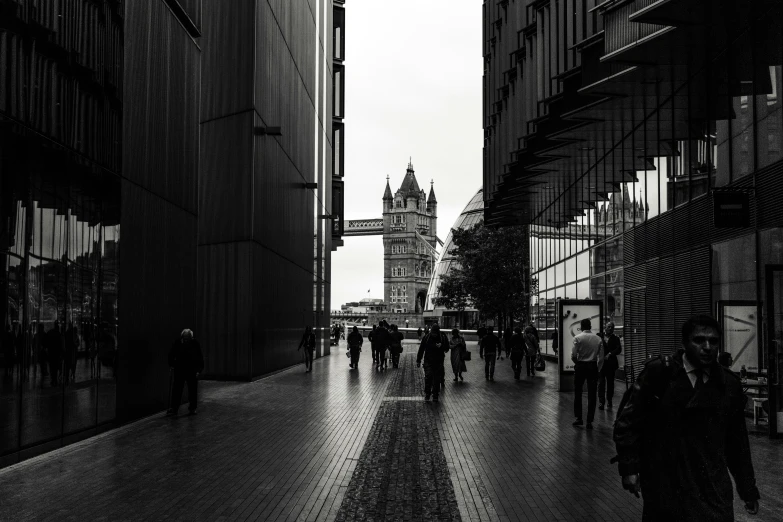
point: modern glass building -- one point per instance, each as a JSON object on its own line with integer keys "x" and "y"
{"x": 641, "y": 142}
{"x": 472, "y": 214}
{"x": 160, "y": 169}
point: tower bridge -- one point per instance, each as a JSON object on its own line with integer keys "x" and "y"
{"x": 409, "y": 230}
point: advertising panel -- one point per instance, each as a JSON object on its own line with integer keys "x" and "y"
{"x": 571, "y": 314}
{"x": 739, "y": 322}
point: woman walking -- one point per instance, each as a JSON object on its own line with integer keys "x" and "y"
{"x": 458, "y": 349}
{"x": 308, "y": 341}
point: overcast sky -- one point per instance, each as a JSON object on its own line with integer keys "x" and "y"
{"x": 413, "y": 89}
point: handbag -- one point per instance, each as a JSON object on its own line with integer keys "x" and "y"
{"x": 466, "y": 356}
{"x": 540, "y": 365}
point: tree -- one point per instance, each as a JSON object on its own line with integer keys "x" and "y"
{"x": 491, "y": 272}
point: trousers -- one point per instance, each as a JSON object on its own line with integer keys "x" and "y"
{"x": 489, "y": 364}
{"x": 516, "y": 365}
{"x": 433, "y": 374}
{"x": 176, "y": 390}
{"x": 606, "y": 384}
{"x": 585, "y": 371}
{"x": 530, "y": 361}
{"x": 355, "y": 353}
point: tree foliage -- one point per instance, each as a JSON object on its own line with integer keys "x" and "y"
{"x": 491, "y": 272}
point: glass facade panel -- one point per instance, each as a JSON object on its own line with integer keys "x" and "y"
{"x": 59, "y": 287}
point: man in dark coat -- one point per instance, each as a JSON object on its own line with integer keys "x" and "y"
{"x": 373, "y": 344}
{"x": 606, "y": 377}
{"x": 489, "y": 350}
{"x": 186, "y": 362}
{"x": 432, "y": 350}
{"x": 382, "y": 340}
{"x": 355, "y": 341}
{"x": 516, "y": 349}
{"x": 681, "y": 430}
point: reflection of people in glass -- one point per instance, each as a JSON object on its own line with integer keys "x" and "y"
{"x": 39, "y": 347}
{"x": 186, "y": 362}
{"x": 8, "y": 350}
{"x": 54, "y": 351}
{"x": 71, "y": 344}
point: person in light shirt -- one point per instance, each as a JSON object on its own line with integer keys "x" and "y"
{"x": 588, "y": 357}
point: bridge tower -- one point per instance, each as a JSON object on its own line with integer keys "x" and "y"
{"x": 407, "y": 262}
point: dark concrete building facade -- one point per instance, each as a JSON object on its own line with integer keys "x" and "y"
{"x": 207, "y": 135}
{"x": 670, "y": 110}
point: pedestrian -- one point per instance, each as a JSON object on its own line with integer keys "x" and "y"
{"x": 535, "y": 331}
{"x": 395, "y": 345}
{"x": 681, "y": 429}
{"x": 186, "y": 362}
{"x": 458, "y": 348}
{"x": 507, "y": 333}
{"x": 555, "y": 340}
{"x": 606, "y": 378}
{"x": 489, "y": 350}
{"x": 355, "y": 341}
{"x": 432, "y": 350}
{"x": 588, "y": 357}
{"x": 308, "y": 342}
{"x": 726, "y": 360}
{"x": 373, "y": 345}
{"x": 532, "y": 351}
{"x": 418, "y": 332}
{"x": 517, "y": 344}
{"x": 382, "y": 341}
{"x": 481, "y": 332}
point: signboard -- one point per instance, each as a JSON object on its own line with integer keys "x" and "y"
{"x": 740, "y": 324}
{"x": 571, "y": 313}
{"x": 730, "y": 209}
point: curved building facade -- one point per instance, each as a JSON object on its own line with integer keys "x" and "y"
{"x": 472, "y": 213}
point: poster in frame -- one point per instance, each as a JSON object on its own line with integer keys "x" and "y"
{"x": 739, "y": 322}
{"x": 571, "y": 312}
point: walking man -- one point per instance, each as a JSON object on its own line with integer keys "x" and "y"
{"x": 373, "y": 344}
{"x": 606, "y": 378}
{"x": 517, "y": 351}
{"x": 489, "y": 350}
{"x": 532, "y": 350}
{"x": 588, "y": 355}
{"x": 681, "y": 430}
{"x": 186, "y": 362}
{"x": 432, "y": 350}
{"x": 355, "y": 341}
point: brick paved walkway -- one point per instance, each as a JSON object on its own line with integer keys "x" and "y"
{"x": 292, "y": 446}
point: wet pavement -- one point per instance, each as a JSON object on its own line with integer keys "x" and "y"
{"x": 340, "y": 444}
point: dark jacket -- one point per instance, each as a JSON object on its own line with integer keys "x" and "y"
{"x": 381, "y": 338}
{"x": 517, "y": 346}
{"x": 186, "y": 357}
{"x": 355, "y": 340}
{"x": 395, "y": 341}
{"x": 490, "y": 344}
{"x": 430, "y": 352}
{"x": 613, "y": 349}
{"x": 684, "y": 442}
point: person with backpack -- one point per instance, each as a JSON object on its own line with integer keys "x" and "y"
{"x": 355, "y": 341}
{"x": 382, "y": 341}
{"x": 532, "y": 350}
{"x": 308, "y": 342}
{"x": 606, "y": 377}
{"x": 680, "y": 431}
{"x": 432, "y": 351}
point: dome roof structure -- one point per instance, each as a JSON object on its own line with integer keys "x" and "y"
{"x": 472, "y": 213}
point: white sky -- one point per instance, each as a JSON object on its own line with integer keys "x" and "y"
{"x": 413, "y": 89}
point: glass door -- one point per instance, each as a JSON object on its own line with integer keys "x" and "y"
{"x": 774, "y": 349}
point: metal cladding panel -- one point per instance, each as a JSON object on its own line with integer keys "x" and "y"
{"x": 654, "y": 307}
{"x": 161, "y": 131}
{"x": 669, "y": 299}
{"x": 769, "y": 195}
